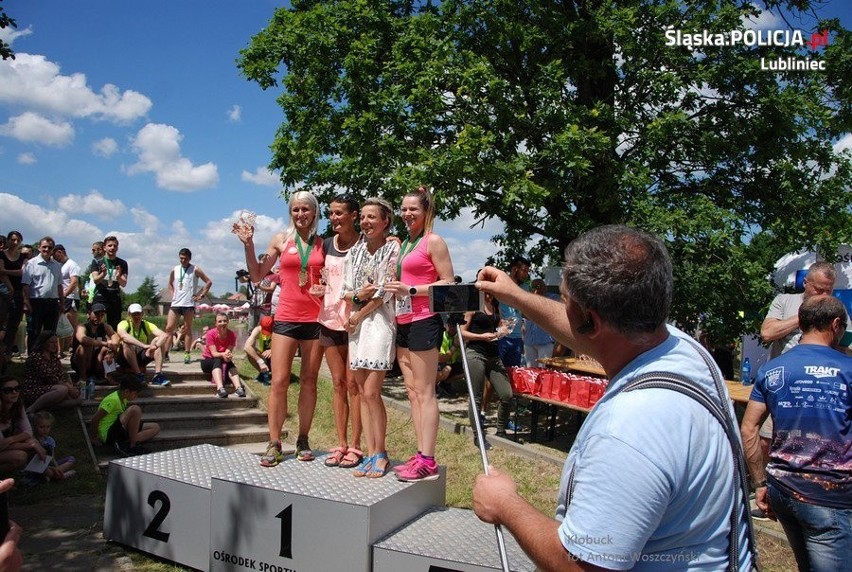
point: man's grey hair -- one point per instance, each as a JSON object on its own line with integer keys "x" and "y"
{"x": 622, "y": 273}
{"x": 824, "y": 268}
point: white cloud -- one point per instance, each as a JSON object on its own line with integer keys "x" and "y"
{"x": 34, "y": 82}
{"x": 158, "y": 148}
{"x": 844, "y": 144}
{"x": 145, "y": 220}
{"x": 235, "y": 114}
{"x": 94, "y": 204}
{"x": 34, "y": 221}
{"x": 9, "y": 35}
{"x": 469, "y": 247}
{"x": 27, "y": 159}
{"x": 263, "y": 177}
{"x": 34, "y": 128}
{"x": 105, "y": 147}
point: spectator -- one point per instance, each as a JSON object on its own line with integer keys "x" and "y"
{"x": 538, "y": 344}
{"x": 70, "y": 290}
{"x": 46, "y": 384}
{"x": 58, "y": 469}
{"x": 218, "y": 358}
{"x": 110, "y": 276}
{"x": 183, "y": 288}
{"x": 781, "y": 328}
{"x": 651, "y": 477}
{"x": 480, "y": 332}
{"x": 199, "y": 343}
{"x": 807, "y": 484}
{"x": 43, "y": 297}
{"x": 91, "y": 341}
{"x": 17, "y": 444}
{"x": 449, "y": 361}
{"x": 258, "y": 348}
{"x": 13, "y": 263}
{"x": 511, "y": 346}
{"x": 141, "y": 343}
{"x": 118, "y": 421}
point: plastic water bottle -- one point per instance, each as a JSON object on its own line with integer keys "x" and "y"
{"x": 745, "y": 375}
{"x": 90, "y": 389}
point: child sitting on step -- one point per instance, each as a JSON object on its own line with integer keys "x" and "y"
{"x": 118, "y": 422}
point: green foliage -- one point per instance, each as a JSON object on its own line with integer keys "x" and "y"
{"x": 6, "y": 51}
{"x": 556, "y": 117}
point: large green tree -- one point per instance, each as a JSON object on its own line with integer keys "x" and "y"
{"x": 558, "y": 116}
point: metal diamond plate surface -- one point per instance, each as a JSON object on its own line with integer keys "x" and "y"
{"x": 198, "y": 465}
{"x": 455, "y": 535}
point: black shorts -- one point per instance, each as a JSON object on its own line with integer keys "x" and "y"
{"x": 71, "y": 305}
{"x": 330, "y": 338}
{"x": 422, "y": 335}
{"x": 142, "y": 359}
{"x": 209, "y": 364}
{"x": 182, "y": 310}
{"x": 297, "y": 330}
{"x": 117, "y": 433}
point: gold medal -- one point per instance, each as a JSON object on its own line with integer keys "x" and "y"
{"x": 180, "y": 285}
{"x": 303, "y": 278}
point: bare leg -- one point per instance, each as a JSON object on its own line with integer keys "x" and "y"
{"x": 335, "y": 357}
{"x": 57, "y": 398}
{"x": 283, "y": 351}
{"x": 423, "y": 366}
{"x": 130, "y": 421}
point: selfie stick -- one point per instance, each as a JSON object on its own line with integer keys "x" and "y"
{"x": 480, "y": 437}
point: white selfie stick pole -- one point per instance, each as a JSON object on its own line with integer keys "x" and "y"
{"x": 480, "y": 439}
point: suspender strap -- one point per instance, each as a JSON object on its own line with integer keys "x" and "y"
{"x": 685, "y": 386}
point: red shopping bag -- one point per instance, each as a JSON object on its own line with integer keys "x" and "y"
{"x": 597, "y": 386}
{"x": 525, "y": 380}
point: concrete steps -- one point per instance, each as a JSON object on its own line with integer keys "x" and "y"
{"x": 190, "y": 413}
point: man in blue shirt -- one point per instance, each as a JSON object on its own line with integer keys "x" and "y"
{"x": 807, "y": 484}
{"x": 649, "y": 483}
{"x": 510, "y": 347}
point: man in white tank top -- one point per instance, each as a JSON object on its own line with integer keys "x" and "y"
{"x": 183, "y": 287}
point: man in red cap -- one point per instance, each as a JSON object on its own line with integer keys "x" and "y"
{"x": 259, "y": 349}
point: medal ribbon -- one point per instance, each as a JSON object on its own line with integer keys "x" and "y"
{"x": 304, "y": 253}
{"x": 182, "y": 274}
{"x": 110, "y": 268}
{"x": 403, "y": 252}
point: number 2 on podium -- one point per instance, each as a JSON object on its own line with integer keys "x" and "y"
{"x": 153, "y": 530}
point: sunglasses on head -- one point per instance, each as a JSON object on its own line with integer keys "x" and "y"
{"x": 10, "y": 389}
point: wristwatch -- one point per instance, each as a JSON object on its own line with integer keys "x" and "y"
{"x": 412, "y": 291}
{"x": 759, "y": 485}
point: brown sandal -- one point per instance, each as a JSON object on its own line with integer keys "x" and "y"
{"x": 336, "y": 456}
{"x": 351, "y": 459}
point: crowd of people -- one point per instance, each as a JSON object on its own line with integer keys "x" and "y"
{"x": 650, "y": 471}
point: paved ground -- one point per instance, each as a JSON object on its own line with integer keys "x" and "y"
{"x": 69, "y": 537}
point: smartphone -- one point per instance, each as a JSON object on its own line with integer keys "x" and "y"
{"x": 455, "y": 299}
{"x": 4, "y": 516}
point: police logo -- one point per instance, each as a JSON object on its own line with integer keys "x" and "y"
{"x": 775, "y": 379}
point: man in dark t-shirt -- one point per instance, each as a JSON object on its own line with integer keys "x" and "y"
{"x": 110, "y": 276}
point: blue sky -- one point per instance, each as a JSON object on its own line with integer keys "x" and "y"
{"x": 130, "y": 118}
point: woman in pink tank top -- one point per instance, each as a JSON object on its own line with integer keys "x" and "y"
{"x": 424, "y": 260}
{"x": 295, "y": 326}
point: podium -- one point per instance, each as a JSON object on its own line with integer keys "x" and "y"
{"x": 211, "y": 508}
{"x": 447, "y": 540}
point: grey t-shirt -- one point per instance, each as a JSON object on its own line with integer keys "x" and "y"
{"x": 783, "y": 307}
